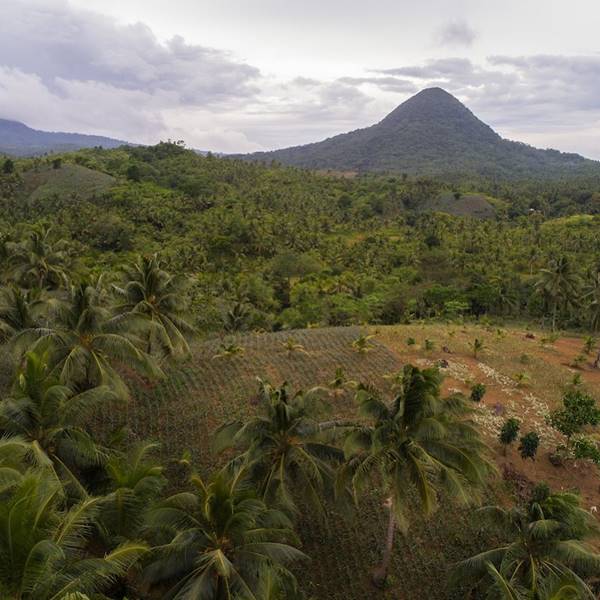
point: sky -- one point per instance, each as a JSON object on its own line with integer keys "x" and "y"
{"x": 245, "y": 75}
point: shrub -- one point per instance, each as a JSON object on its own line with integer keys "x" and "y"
{"x": 429, "y": 345}
{"x": 478, "y": 392}
{"x": 579, "y": 409}
{"x": 509, "y": 432}
{"x": 529, "y": 445}
{"x": 411, "y": 341}
{"x": 584, "y": 447}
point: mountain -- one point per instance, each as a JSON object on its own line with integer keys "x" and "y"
{"x": 19, "y": 140}
{"x": 432, "y": 133}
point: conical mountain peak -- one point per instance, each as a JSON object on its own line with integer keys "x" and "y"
{"x": 431, "y": 133}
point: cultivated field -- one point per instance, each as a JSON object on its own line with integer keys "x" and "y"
{"x": 525, "y": 374}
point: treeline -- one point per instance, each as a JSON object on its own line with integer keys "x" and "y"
{"x": 271, "y": 248}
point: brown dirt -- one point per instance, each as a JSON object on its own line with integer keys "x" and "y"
{"x": 550, "y": 371}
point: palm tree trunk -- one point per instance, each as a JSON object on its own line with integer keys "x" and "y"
{"x": 381, "y": 572}
{"x": 554, "y": 309}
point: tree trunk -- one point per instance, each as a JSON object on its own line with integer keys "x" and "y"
{"x": 554, "y": 309}
{"x": 597, "y": 361}
{"x": 381, "y": 572}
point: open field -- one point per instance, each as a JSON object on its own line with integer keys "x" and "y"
{"x": 183, "y": 411}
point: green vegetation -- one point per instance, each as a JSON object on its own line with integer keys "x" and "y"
{"x": 509, "y": 432}
{"x": 142, "y": 308}
{"x": 529, "y": 444}
{"x": 547, "y": 555}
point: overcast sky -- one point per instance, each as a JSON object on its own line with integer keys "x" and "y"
{"x": 243, "y": 75}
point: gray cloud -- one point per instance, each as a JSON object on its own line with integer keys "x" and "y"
{"x": 66, "y": 68}
{"x": 456, "y": 33}
{"x": 55, "y": 41}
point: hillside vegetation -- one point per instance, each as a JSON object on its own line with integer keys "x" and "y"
{"x": 226, "y": 381}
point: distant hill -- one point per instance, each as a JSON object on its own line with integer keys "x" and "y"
{"x": 17, "y": 139}
{"x": 432, "y": 133}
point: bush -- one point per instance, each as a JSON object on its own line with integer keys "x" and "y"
{"x": 509, "y": 431}
{"x": 586, "y": 448}
{"x": 579, "y": 409}
{"x": 411, "y": 341}
{"x": 529, "y": 445}
{"x": 478, "y": 392}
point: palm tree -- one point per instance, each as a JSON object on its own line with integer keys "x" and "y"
{"x": 84, "y": 342}
{"x": 39, "y": 260}
{"x": 419, "y": 443}
{"x": 19, "y": 310}
{"x": 150, "y": 291}
{"x": 546, "y": 553}
{"x": 43, "y": 545}
{"x": 283, "y": 446}
{"x": 591, "y": 294}
{"x": 51, "y": 416}
{"x": 559, "y": 285}
{"x": 222, "y": 542}
{"x": 135, "y": 482}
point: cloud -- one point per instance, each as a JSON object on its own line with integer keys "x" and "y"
{"x": 65, "y": 68}
{"x": 388, "y": 84}
{"x": 56, "y": 41}
{"x": 456, "y": 33}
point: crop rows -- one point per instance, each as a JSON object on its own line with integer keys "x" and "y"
{"x": 183, "y": 411}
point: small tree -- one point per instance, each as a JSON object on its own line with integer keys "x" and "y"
{"x": 133, "y": 173}
{"x": 529, "y": 444}
{"x": 57, "y": 163}
{"x": 579, "y": 409}
{"x": 509, "y": 432}
{"x": 589, "y": 344}
{"x": 478, "y": 392}
{"x": 8, "y": 167}
{"x": 477, "y": 346}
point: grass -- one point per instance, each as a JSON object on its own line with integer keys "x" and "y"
{"x": 46, "y": 182}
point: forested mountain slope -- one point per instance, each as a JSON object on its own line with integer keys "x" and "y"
{"x": 17, "y": 139}
{"x": 432, "y": 133}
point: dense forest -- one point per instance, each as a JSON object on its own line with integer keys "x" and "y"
{"x": 272, "y": 247}
{"x": 112, "y": 264}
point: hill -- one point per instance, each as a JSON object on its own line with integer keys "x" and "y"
{"x": 17, "y": 139}
{"x": 432, "y": 133}
{"x": 183, "y": 412}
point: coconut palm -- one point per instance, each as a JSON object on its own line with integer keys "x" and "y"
{"x": 419, "y": 443}
{"x": 51, "y": 417}
{"x": 284, "y": 446}
{"x": 135, "y": 481}
{"x": 151, "y": 291}
{"x": 222, "y": 541}
{"x": 85, "y": 342}
{"x": 19, "y": 310}
{"x": 559, "y": 285}
{"x": 545, "y": 556}
{"x": 42, "y": 544}
{"x": 591, "y": 296}
{"x": 39, "y": 260}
